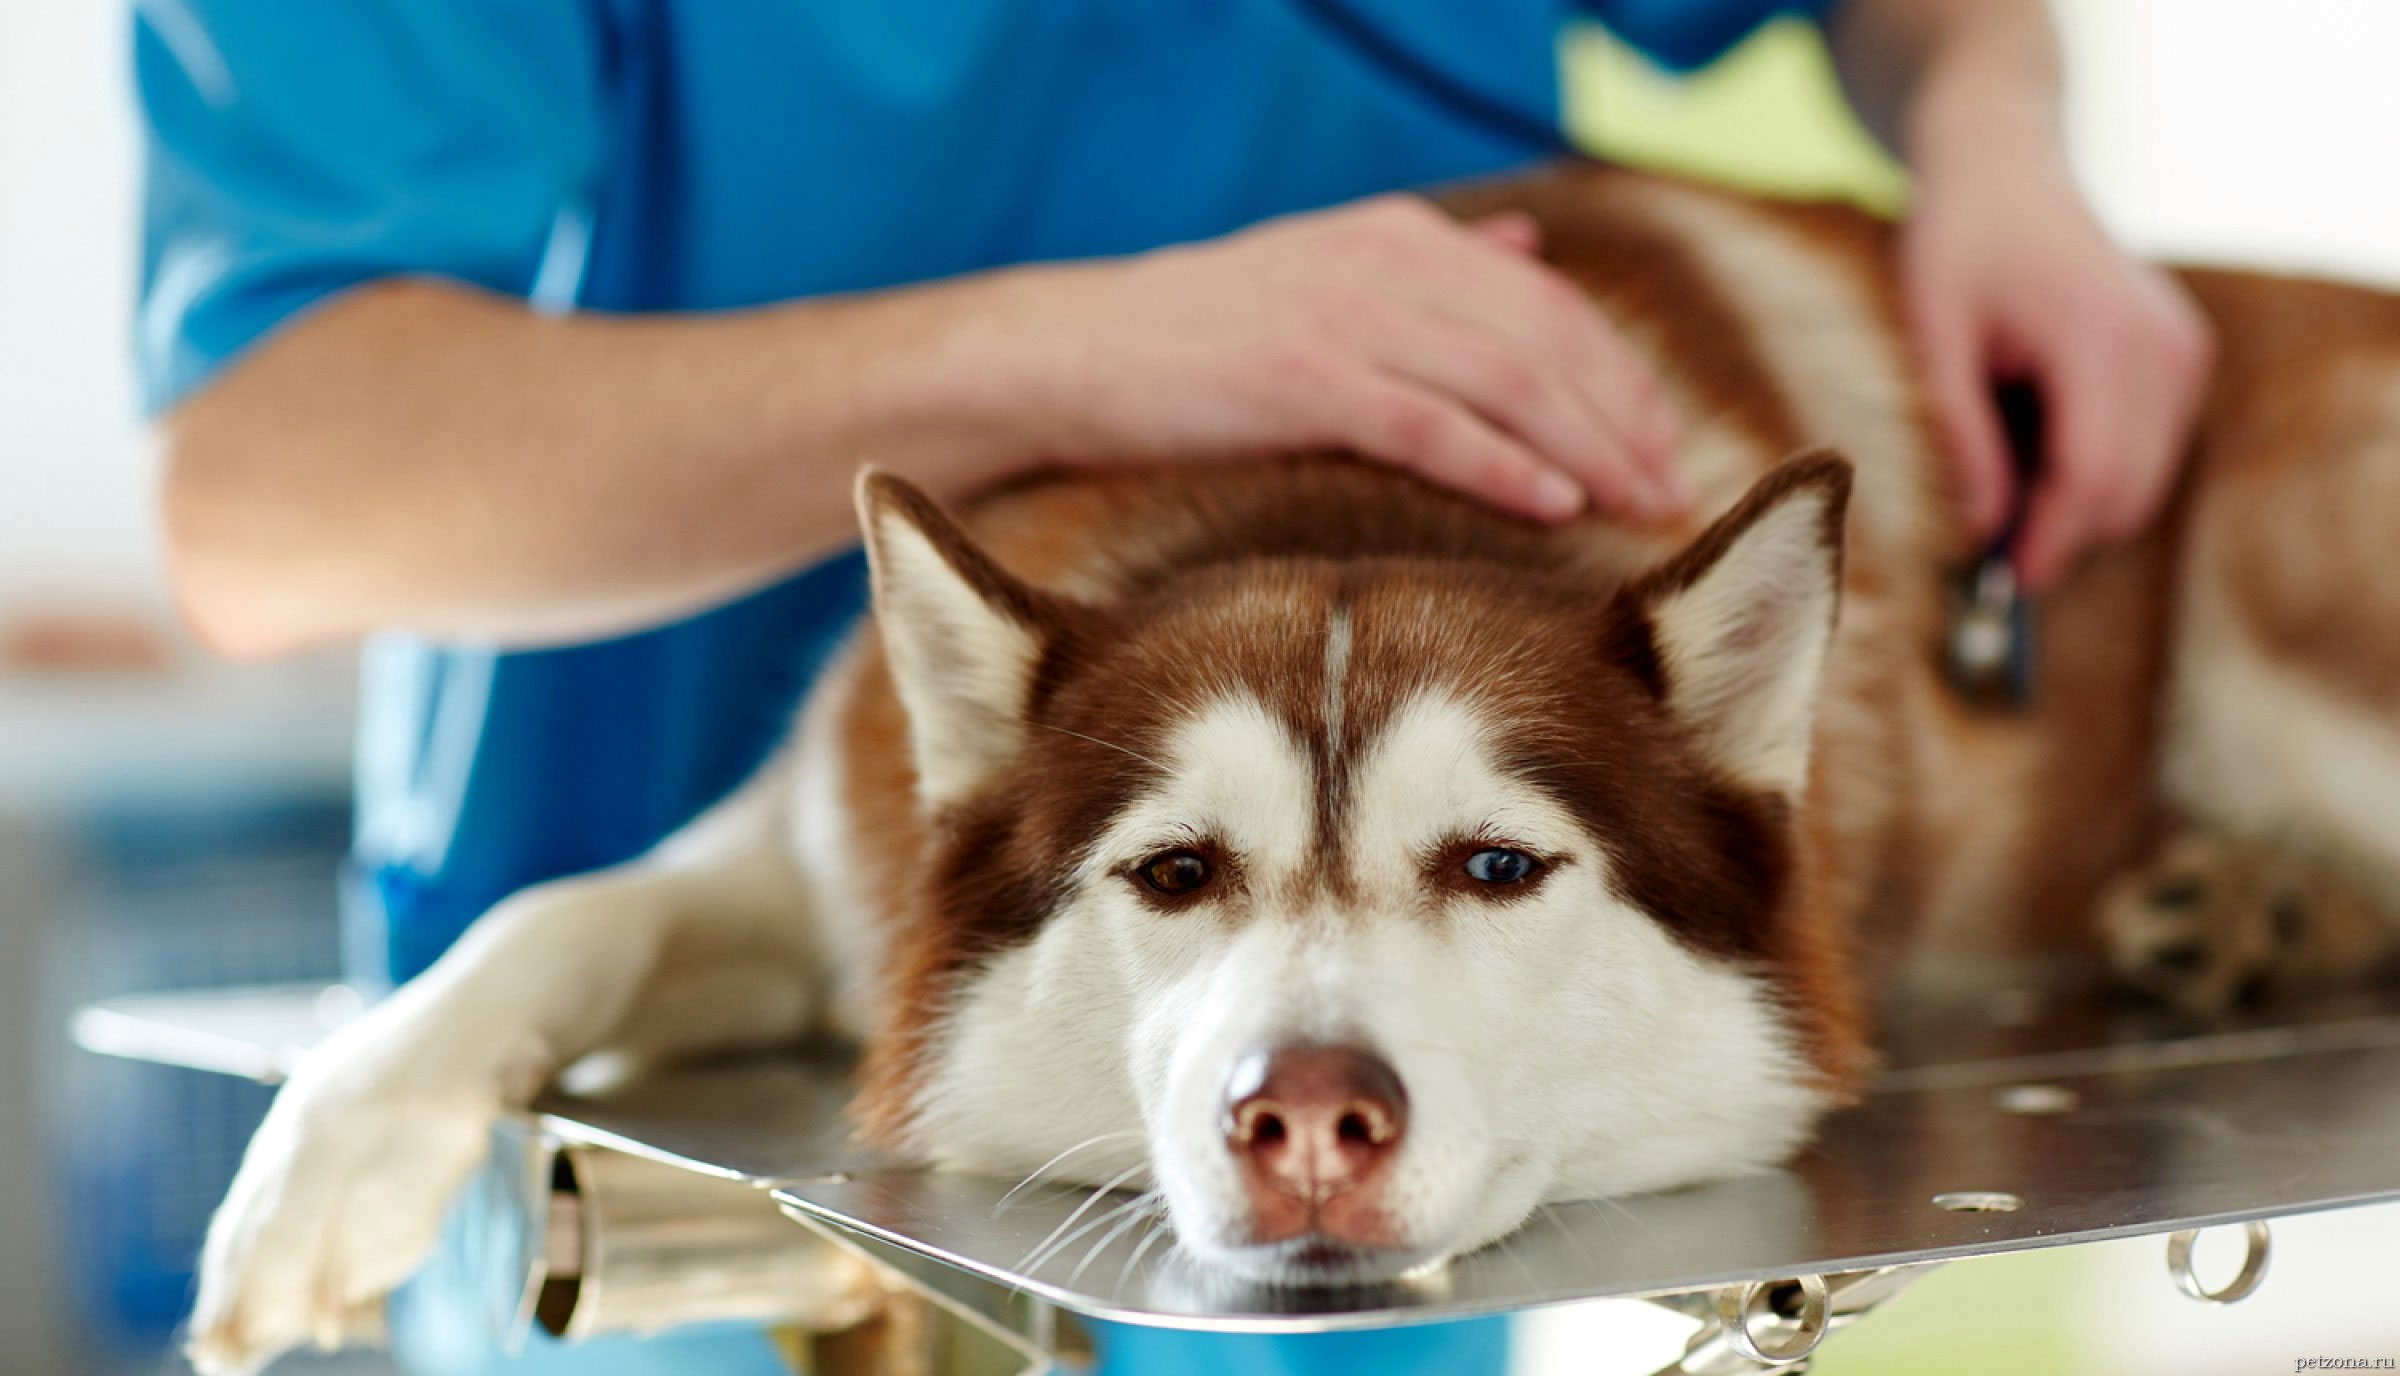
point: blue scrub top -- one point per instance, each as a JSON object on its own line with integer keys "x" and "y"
{"x": 643, "y": 155}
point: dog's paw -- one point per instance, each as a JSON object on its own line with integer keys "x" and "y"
{"x": 339, "y": 1197}
{"x": 2216, "y": 922}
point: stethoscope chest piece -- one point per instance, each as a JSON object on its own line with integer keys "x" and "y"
{"x": 1990, "y": 647}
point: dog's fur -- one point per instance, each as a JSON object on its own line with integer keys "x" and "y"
{"x": 1333, "y": 683}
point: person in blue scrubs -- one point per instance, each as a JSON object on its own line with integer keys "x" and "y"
{"x": 534, "y": 343}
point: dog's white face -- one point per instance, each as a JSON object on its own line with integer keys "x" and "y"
{"x": 1360, "y": 909}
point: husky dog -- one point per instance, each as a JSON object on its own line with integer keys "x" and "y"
{"x": 1364, "y": 868}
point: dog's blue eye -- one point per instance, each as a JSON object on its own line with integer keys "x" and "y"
{"x": 1500, "y": 866}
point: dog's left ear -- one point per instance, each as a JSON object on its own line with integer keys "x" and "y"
{"x": 1732, "y": 632}
{"x": 962, "y": 636}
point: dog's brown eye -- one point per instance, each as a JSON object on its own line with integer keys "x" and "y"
{"x": 1499, "y": 865}
{"x": 1175, "y": 872}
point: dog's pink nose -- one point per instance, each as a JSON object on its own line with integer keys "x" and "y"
{"x": 1313, "y": 1122}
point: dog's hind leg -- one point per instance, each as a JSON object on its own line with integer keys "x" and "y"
{"x": 2216, "y": 921}
{"x": 2283, "y": 705}
{"x": 2282, "y": 722}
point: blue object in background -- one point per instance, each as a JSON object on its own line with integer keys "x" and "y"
{"x": 1474, "y": 1347}
{"x": 174, "y": 891}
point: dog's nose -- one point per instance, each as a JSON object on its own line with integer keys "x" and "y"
{"x": 1314, "y": 1122}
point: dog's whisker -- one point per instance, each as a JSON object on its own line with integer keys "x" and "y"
{"x": 1112, "y": 745}
{"x": 1550, "y": 1212}
{"x": 1098, "y": 1193}
{"x": 1047, "y": 1166}
{"x": 1091, "y": 1198}
{"x": 1133, "y": 1218}
{"x": 1516, "y": 1255}
{"x": 1159, "y": 1228}
{"x": 1050, "y": 1251}
{"x": 1630, "y": 1216}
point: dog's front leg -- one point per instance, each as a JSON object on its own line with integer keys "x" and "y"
{"x": 341, "y": 1193}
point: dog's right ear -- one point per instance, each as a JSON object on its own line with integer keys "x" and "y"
{"x": 963, "y": 638}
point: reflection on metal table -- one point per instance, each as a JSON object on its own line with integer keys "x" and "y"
{"x": 2007, "y": 1119}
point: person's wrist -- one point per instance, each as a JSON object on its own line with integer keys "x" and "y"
{"x": 972, "y": 384}
{"x": 1976, "y": 117}
{"x": 1031, "y": 380}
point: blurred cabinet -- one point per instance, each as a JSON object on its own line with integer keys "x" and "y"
{"x": 172, "y": 832}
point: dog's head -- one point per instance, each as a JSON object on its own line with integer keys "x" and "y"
{"x": 1362, "y": 906}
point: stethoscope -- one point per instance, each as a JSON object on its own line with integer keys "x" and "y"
{"x": 1990, "y": 650}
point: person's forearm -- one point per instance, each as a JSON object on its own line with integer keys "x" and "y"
{"x": 1930, "y": 75}
{"x": 418, "y": 455}
{"x": 429, "y": 457}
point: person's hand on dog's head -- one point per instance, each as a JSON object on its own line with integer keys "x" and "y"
{"x": 1384, "y": 327}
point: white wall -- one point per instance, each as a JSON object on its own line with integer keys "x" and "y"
{"x": 74, "y": 472}
{"x": 2253, "y": 131}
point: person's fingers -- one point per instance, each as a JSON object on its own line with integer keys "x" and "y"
{"x": 1439, "y": 438}
{"x": 2058, "y": 527}
{"x": 2084, "y": 476}
{"x": 1535, "y": 401}
{"x": 2152, "y": 438}
{"x": 1626, "y": 378}
{"x": 1511, "y": 229}
{"x": 2163, "y": 395}
{"x": 1459, "y": 270}
{"x": 1539, "y": 407}
{"x": 1951, "y": 347}
{"x": 1551, "y": 320}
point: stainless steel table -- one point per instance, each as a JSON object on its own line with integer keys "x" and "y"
{"x": 2011, "y": 1117}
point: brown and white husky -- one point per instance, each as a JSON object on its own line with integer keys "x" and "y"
{"x": 1364, "y": 868}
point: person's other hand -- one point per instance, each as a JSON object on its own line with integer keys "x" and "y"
{"x": 1384, "y": 327}
{"x": 2007, "y": 275}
